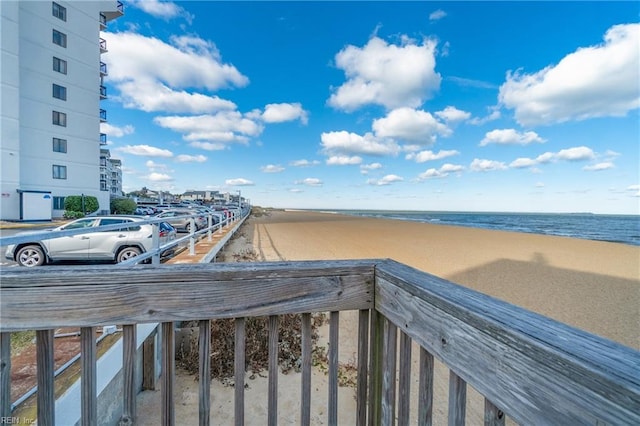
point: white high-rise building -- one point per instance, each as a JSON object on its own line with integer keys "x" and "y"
{"x": 50, "y": 113}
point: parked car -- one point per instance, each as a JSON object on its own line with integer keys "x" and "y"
{"x": 179, "y": 219}
{"x": 116, "y": 245}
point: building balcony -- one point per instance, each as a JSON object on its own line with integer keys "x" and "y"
{"x": 103, "y": 45}
{"x": 110, "y": 15}
{"x": 103, "y": 92}
{"x": 103, "y": 138}
{"x": 103, "y": 69}
{"x": 103, "y": 115}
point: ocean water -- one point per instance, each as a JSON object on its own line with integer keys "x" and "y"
{"x": 623, "y": 229}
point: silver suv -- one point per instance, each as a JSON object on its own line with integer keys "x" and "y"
{"x": 117, "y": 245}
{"x": 179, "y": 219}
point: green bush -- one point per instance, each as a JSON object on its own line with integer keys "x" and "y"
{"x": 73, "y": 203}
{"x": 70, "y": 214}
{"x": 122, "y": 206}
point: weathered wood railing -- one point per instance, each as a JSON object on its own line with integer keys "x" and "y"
{"x": 532, "y": 369}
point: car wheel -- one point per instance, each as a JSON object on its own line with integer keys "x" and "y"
{"x": 30, "y": 256}
{"x": 188, "y": 228}
{"x": 127, "y": 253}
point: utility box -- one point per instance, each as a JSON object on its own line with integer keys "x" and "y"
{"x": 35, "y": 205}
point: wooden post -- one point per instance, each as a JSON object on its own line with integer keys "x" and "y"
{"x": 45, "y": 373}
{"x": 404, "y": 385}
{"x": 89, "y": 399}
{"x": 128, "y": 374}
{"x": 363, "y": 360}
{"x": 457, "y": 400}
{"x": 5, "y": 374}
{"x": 305, "y": 403}
{"x": 493, "y": 416}
{"x": 239, "y": 369}
{"x": 425, "y": 391}
{"x": 168, "y": 374}
{"x": 334, "y": 327}
{"x": 149, "y": 362}
{"x": 375, "y": 362}
{"x": 204, "y": 345}
{"x": 273, "y": 371}
{"x": 389, "y": 373}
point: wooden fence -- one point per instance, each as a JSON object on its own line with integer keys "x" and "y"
{"x": 530, "y": 368}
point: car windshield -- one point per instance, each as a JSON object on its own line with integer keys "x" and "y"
{"x": 82, "y": 223}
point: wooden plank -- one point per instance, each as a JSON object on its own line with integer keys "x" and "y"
{"x": 493, "y": 416}
{"x": 204, "y": 372}
{"x": 389, "y": 373}
{"x": 5, "y": 375}
{"x": 457, "y": 400}
{"x": 273, "y": 371}
{"x": 334, "y": 327}
{"x": 375, "y": 368}
{"x": 363, "y": 372}
{"x": 425, "y": 391}
{"x": 239, "y": 370}
{"x": 88, "y": 382}
{"x": 164, "y": 293}
{"x": 305, "y": 391}
{"x": 168, "y": 374}
{"x": 45, "y": 377}
{"x": 536, "y": 369}
{"x": 129, "y": 350}
{"x": 404, "y": 382}
{"x": 149, "y": 374}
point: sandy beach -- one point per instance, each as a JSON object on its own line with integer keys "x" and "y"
{"x": 591, "y": 285}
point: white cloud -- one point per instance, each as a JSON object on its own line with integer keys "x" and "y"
{"x": 366, "y": 168}
{"x": 304, "y": 163}
{"x": 238, "y": 182}
{"x": 208, "y": 146}
{"x": 510, "y": 137}
{"x": 579, "y": 153}
{"x": 222, "y": 127}
{"x": 424, "y": 156}
{"x": 599, "y": 166}
{"x": 387, "y": 180}
{"x": 411, "y": 125}
{"x": 595, "y": 81}
{"x": 444, "y": 171}
{"x": 184, "y": 158}
{"x": 453, "y": 114}
{"x": 159, "y": 177}
{"x": 523, "y": 162}
{"x": 479, "y": 165}
{"x": 278, "y": 113}
{"x": 138, "y": 67}
{"x": 272, "y": 168}
{"x": 161, "y": 9}
{"x": 386, "y": 74}
{"x": 309, "y": 182}
{"x": 635, "y": 189}
{"x": 156, "y": 167}
{"x": 436, "y": 15}
{"x": 343, "y": 160}
{"x": 150, "y": 151}
{"x": 539, "y": 185}
{"x": 494, "y": 114}
{"x": 347, "y": 143}
{"x": 115, "y": 131}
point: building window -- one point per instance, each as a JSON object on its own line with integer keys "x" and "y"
{"x": 58, "y": 203}
{"x": 59, "y": 92}
{"x": 59, "y": 12}
{"x": 59, "y": 172}
{"x": 59, "y": 65}
{"x": 59, "y": 118}
{"x": 59, "y": 145}
{"x": 59, "y": 38}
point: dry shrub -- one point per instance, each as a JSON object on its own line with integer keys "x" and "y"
{"x": 256, "y": 346}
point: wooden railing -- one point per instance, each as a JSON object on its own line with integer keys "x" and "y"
{"x": 528, "y": 367}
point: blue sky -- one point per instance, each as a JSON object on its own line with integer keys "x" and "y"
{"x": 450, "y": 106}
